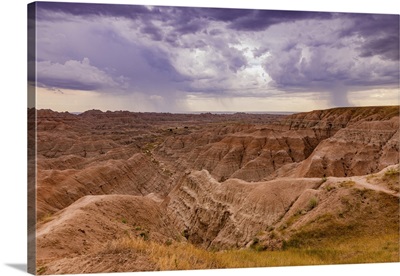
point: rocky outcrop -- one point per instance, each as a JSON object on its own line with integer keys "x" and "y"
{"x": 344, "y": 206}
{"x": 138, "y": 175}
{"x": 250, "y": 154}
{"x": 235, "y": 213}
{"x": 339, "y": 141}
{"x": 359, "y": 149}
{"x": 229, "y": 214}
{"x": 334, "y": 119}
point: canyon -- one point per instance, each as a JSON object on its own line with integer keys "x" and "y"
{"x": 261, "y": 182}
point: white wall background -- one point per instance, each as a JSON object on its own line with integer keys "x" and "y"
{"x": 13, "y": 132}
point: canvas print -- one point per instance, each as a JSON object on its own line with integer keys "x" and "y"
{"x": 182, "y": 138}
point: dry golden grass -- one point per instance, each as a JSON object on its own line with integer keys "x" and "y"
{"x": 185, "y": 256}
{"x": 391, "y": 178}
{"x": 347, "y": 184}
{"x": 46, "y": 218}
{"x": 176, "y": 256}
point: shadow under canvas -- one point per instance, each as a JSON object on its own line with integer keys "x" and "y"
{"x": 20, "y": 267}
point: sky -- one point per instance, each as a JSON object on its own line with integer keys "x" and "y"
{"x": 186, "y": 59}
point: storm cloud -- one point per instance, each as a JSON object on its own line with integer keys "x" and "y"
{"x": 170, "y": 54}
{"x": 350, "y": 56}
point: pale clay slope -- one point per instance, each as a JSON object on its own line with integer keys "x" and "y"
{"x": 86, "y": 225}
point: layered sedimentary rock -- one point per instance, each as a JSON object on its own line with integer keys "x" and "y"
{"x": 137, "y": 175}
{"x": 217, "y": 181}
{"x": 363, "y": 147}
{"x": 341, "y": 142}
{"x": 246, "y": 152}
{"x": 229, "y": 214}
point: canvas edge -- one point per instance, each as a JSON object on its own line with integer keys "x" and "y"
{"x": 31, "y": 140}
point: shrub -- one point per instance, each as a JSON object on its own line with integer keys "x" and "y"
{"x": 185, "y": 233}
{"x": 168, "y": 242}
{"x": 329, "y": 188}
{"x": 256, "y": 245}
{"x": 312, "y": 203}
{"x": 41, "y": 270}
{"x": 144, "y": 235}
{"x": 392, "y": 171}
{"x": 347, "y": 184}
{"x": 283, "y": 226}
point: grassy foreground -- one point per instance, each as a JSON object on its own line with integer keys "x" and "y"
{"x": 184, "y": 256}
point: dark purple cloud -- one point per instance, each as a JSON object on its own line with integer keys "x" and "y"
{"x": 386, "y": 47}
{"x": 154, "y": 32}
{"x": 225, "y": 15}
{"x": 193, "y": 26}
{"x": 86, "y": 9}
{"x": 259, "y": 20}
{"x": 381, "y": 34}
{"x": 160, "y": 65}
{"x": 185, "y": 20}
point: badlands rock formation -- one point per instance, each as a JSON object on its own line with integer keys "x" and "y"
{"x": 215, "y": 181}
{"x": 229, "y": 214}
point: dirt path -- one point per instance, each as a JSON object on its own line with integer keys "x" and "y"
{"x": 361, "y": 181}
